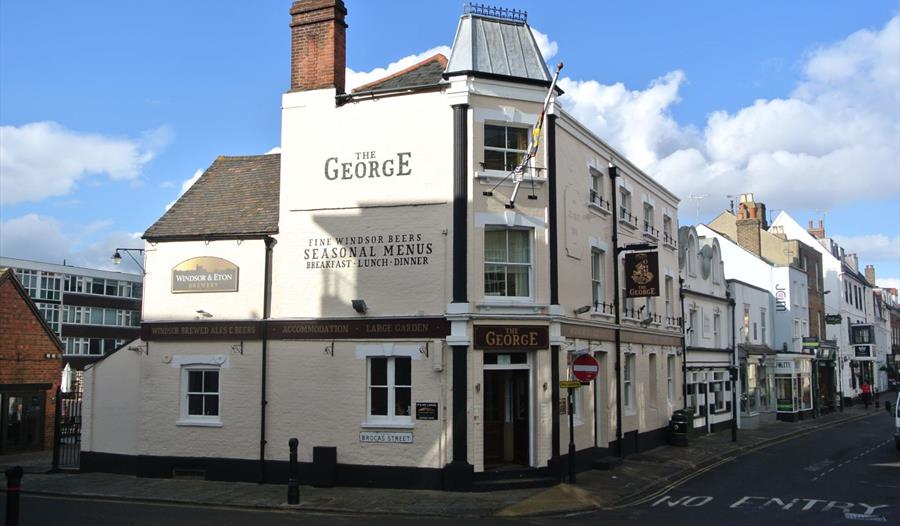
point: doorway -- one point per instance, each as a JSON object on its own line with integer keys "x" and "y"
{"x": 21, "y": 421}
{"x": 507, "y": 412}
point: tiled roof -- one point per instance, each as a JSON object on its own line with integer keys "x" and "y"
{"x": 494, "y": 46}
{"x": 236, "y": 196}
{"x": 425, "y": 73}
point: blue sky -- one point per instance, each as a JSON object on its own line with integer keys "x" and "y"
{"x": 109, "y": 107}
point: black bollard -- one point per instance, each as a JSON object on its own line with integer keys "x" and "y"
{"x": 293, "y": 475}
{"x": 13, "y": 486}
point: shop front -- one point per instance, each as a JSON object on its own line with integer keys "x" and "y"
{"x": 757, "y": 380}
{"x": 793, "y": 387}
{"x": 825, "y": 377}
{"x": 509, "y": 397}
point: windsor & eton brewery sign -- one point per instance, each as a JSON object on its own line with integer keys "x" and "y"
{"x": 205, "y": 274}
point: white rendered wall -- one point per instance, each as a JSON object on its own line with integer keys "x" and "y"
{"x": 112, "y": 403}
{"x": 160, "y": 303}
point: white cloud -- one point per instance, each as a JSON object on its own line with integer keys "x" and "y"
{"x": 548, "y": 47}
{"x": 872, "y": 247}
{"x": 355, "y": 79}
{"x": 832, "y": 141}
{"x": 185, "y": 185}
{"x": 888, "y": 283}
{"x": 44, "y": 159}
{"x": 43, "y": 238}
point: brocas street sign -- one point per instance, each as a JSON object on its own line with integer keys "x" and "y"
{"x": 641, "y": 274}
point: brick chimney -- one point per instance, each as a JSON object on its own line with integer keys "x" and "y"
{"x": 751, "y": 218}
{"x": 870, "y": 274}
{"x": 817, "y": 233}
{"x": 318, "y": 45}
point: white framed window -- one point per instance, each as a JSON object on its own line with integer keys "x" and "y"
{"x": 596, "y": 190}
{"x": 670, "y": 378}
{"x": 649, "y": 307}
{"x": 51, "y": 314}
{"x": 629, "y": 383}
{"x": 597, "y": 278}
{"x": 653, "y": 378}
{"x": 690, "y": 254}
{"x": 625, "y": 211}
{"x": 798, "y": 335}
{"x": 667, "y": 230}
{"x": 200, "y": 396}
{"x": 650, "y": 221}
{"x": 717, "y": 332}
{"x": 746, "y": 323}
{"x": 389, "y": 397}
{"x": 504, "y": 146}
{"x": 507, "y": 262}
{"x": 694, "y": 327}
{"x": 670, "y": 287}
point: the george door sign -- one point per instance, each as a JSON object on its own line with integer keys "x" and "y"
{"x": 585, "y": 368}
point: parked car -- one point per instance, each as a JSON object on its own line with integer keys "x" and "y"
{"x": 897, "y": 422}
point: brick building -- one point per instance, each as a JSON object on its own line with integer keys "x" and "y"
{"x": 30, "y": 370}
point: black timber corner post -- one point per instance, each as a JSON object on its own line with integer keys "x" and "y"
{"x": 458, "y": 474}
{"x": 556, "y": 465}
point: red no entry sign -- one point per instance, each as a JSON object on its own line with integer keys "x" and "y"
{"x": 585, "y": 368}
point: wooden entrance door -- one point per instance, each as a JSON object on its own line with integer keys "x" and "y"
{"x": 506, "y": 418}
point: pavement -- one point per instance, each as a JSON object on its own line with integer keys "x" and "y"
{"x": 639, "y": 477}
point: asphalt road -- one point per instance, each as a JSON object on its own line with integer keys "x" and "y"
{"x": 848, "y": 474}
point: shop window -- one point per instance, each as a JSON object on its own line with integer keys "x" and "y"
{"x": 719, "y": 390}
{"x": 200, "y": 389}
{"x": 629, "y": 383}
{"x": 507, "y": 262}
{"x": 504, "y": 147}
{"x": 390, "y": 389}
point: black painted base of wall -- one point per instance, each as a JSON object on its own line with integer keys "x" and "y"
{"x": 634, "y": 442}
{"x": 243, "y": 470}
{"x": 795, "y": 417}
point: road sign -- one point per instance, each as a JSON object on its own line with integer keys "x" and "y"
{"x": 585, "y": 368}
{"x": 569, "y": 384}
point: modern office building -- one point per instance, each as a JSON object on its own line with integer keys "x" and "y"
{"x": 92, "y": 311}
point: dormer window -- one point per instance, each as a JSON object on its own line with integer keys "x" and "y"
{"x": 504, "y": 146}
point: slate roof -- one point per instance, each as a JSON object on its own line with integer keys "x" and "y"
{"x": 494, "y": 46}
{"x": 235, "y": 197}
{"x": 425, "y": 73}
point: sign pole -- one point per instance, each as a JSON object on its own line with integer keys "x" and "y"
{"x": 571, "y": 400}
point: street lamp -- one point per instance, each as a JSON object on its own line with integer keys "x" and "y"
{"x": 117, "y": 256}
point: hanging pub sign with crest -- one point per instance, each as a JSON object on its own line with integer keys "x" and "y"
{"x": 641, "y": 274}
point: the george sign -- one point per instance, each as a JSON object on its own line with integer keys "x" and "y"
{"x": 359, "y": 328}
{"x": 426, "y": 411}
{"x": 205, "y": 274}
{"x": 529, "y": 337}
{"x": 585, "y": 367}
{"x": 641, "y": 274}
{"x": 368, "y": 165}
{"x": 383, "y": 437}
{"x": 569, "y": 384}
{"x": 833, "y": 319}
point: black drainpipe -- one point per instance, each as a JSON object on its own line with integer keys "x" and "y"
{"x": 733, "y": 372}
{"x": 684, "y": 382}
{"x": 267, "y": 300}
{"x": 613, "y": 173}
{"x": 554, "y": 285}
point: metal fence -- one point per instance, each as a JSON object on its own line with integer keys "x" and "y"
{"x": 67, "y": 431}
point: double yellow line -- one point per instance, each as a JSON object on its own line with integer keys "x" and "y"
{"x": 737, "y": 454}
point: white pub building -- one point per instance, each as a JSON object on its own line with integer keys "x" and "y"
{"x": 380, "y": 292}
